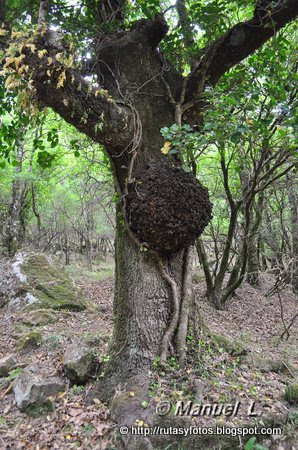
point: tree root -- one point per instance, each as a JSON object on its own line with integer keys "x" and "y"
{"x": 185, "y": 304}
{"x": 168, "y": 336}
{"x": 180, "y": 308}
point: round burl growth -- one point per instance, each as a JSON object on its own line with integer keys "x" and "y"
{"x": 167, "y": 208}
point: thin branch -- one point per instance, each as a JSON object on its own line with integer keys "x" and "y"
{"x": 43, "y": 10}
{"x": 109, "y": 11}
{"x": 187, "y": 30}
{"x": 272, "y": 180}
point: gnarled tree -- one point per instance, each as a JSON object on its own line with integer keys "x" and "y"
{"x": 162, "y": 209}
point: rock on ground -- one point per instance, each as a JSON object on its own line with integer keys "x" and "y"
{"x": 7, "y": 363}
{"x": 30, "y": 341}
{"x": 39, "y": 317}
{"x": 79, "y": 363}
{"x": 33, "y": 387}
{"x": 35, "y": 281}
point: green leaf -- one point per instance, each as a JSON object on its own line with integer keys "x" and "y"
{"x": 235, "y": 138}
{"x": 45, "y": 159}
{"x": 185, "y": 168}
{"x": 250, "y": 443}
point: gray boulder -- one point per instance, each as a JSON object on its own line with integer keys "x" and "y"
{"x": 35, "y": 281}
{"x": 32, "y": 390}
{"x": 7, "y": 363}
{"x": 79, "y": 363}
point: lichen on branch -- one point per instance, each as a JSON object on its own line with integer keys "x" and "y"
{"x": 43, "y": 65}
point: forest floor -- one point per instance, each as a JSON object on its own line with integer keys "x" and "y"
{"x": 251, "y": 365}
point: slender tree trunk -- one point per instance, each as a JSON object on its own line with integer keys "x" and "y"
{"x": 12, "y": 232}
{"x": 253, "y": 264}
{"x": 88, "y": 240}
{"x": 35, "y": 212}
{"x": 215, "y": 285}
{"x": 187, "y": 299}
{"x": 89, "y": 251}
{"x": 293, "y": 198}
{"x": 66, "y": 248}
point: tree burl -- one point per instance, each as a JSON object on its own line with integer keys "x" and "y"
{"x": 167, "y": 208}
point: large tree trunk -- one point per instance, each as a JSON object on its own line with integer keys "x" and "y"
{"x": 142, "y": 308}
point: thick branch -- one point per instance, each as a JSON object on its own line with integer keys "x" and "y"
{"x": 150, "y": 31}
{"x": 243, "y": 39}
{"x": 97, "y": 117}
{"x": 91, "y": 110}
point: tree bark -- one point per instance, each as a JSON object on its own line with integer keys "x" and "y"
{"x": 293, "y": 199}
{"x": 142, "y": 307}
{"x": 13, "y": 226}
{"x": 253, "y": 264}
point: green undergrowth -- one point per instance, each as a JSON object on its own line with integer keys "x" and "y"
{"x": 100, "y": 271}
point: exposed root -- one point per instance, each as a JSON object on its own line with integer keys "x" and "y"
{"x": 168, "y": 336}
{"x": 185, "y": 305}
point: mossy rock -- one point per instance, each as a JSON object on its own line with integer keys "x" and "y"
{"x": 95, "y": 339}
{"x": 34, "y": 389}
{"x": 30, "y": 342}
{"x": 52, "y": 285}
{"x": 79, "y": 363}
{"x": 234, "y": 348}
{"x": 291, "y": 393}
{"x": 34, "y": 281}
{"x": 39, "y": 317}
